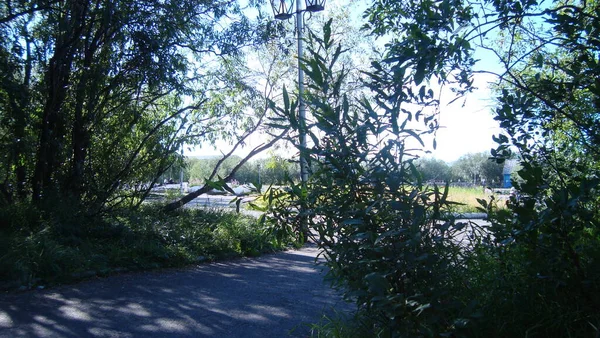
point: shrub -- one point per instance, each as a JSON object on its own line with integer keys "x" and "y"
{"x": 533, "y": 272}
{"x": 57, "y": 251}
{"x": 377, "y": 222}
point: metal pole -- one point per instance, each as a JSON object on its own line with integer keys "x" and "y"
{"x": 301, "y": 107}
{"x": 181, "y": 172}
{"x": 302, "y": 121}
{"x": 258, "y": 167}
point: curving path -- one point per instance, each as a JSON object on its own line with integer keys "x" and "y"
{"x": 274, "y": 295}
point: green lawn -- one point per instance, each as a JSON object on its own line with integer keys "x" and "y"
{"x": 468, "y": 197}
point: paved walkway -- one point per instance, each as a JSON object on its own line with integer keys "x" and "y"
{"x": 271, "y": 296}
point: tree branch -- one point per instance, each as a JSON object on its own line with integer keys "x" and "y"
{"x": 191, "y": 196}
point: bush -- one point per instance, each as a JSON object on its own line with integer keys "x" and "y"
{"x": 533, "y": 272}
{"x": 54, "y": 252}
{"x": 377, "y": 222}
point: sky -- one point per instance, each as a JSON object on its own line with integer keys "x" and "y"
{"x": 466, "y": 126}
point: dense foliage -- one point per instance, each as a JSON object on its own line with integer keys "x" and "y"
{"x": 377, "y": 222}
{"x": 97, "y": 99}
{"x": 93, "y": 94}
{"x": 535, "y": 270}
{"x": 127, "y": 241}
{"x": 272, "y": 170}
{"x": 477, "y": 169}
{"x": 548, "y": 104}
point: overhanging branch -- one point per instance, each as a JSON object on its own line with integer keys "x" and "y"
{"x": 191, "y": 196}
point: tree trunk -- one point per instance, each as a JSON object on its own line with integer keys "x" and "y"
{"x": 86, "y": 98}
{"x": 58, "y": 79}
{"x": 21, "y": 170}
{"x": 79, "y": 133}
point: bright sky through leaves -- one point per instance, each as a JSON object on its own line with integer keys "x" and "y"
{"x": 466, "y": 126}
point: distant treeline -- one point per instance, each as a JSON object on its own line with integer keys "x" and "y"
{"x": 468, "y": 170}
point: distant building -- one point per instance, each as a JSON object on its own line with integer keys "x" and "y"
{"x": 510, "y": 166}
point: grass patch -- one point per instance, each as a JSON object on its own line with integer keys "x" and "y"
{"x": 341, "y": 325}
{"x": 52, "y": 252}
{"x": 468, "y": 196}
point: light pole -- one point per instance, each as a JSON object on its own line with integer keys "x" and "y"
{"x": 181, "y": 173}
{"x": 258, "y": 168}
{"x": 283, "y": 10}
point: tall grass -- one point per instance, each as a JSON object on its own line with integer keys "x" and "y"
{"x": 51, "y": 251}
{"x": 467, "y": 197}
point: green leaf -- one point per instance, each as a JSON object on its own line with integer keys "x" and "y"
{"x": 419, "y": 72}
{"x": 415, "y": 135}
{"x": 327, "y": 32}
{"x": 422, "y": 308}
{"x": 482, "y": 202}
{"x": 422, "y": 92}
{"x": 286, "y": 99}
{"x": 315, "y": 72}
{"x": 377, "y": 283}
{"x": 237, "y": 201}
{"x": 353, "y": 222}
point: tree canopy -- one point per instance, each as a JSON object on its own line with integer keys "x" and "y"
{"x": 99, "y": 95}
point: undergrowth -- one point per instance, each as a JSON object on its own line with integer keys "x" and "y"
{"x": 41, "y": 250}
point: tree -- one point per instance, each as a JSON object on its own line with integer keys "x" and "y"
{"x": 377, "y": 222}
{"x": 278, "y": 170}
{"x": 535, "y": 269}
{"x": 478, "y": 168}
{"x": 91, "y": 93}
{"x": 279, "y": 120}
{"x": 433, "y": 169}
{"x": 547, "y": 102}
{"x": 200, "y": 169}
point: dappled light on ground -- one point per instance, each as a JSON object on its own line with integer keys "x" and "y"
{"x": 263, "y": 297}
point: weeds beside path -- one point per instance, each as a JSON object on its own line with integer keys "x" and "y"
{"x": 266, "y": 296}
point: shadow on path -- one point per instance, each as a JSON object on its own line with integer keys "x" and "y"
{"x": 261, "y": 297}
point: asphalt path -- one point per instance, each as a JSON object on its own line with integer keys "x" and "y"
{"x": 276, "y": 295}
